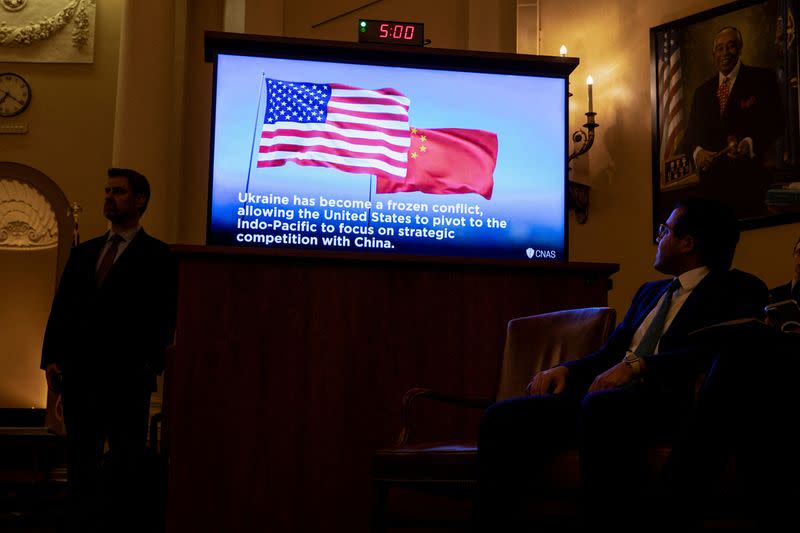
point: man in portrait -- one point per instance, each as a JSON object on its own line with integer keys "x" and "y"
{"x": 735, "y": 121}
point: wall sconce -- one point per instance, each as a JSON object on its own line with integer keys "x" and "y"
{"x": 583, "y": 139}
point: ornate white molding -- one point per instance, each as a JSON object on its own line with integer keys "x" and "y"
{"x": 27, "y": 220}
{"x": 40, "y": 30}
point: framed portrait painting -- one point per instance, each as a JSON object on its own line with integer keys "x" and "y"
{"x": 725, "y": 111}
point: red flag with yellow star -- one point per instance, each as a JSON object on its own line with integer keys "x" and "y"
{"x": 447, "y": 161}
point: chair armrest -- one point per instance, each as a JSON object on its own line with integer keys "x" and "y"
{"x": 429, "y": 394}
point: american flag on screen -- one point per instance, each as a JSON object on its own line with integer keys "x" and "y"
{"x": 670, "y": 113}
{"x": 354, "y": 130}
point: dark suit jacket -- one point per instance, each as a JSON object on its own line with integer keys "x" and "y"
{"x": 785, "y": 292}
{"x": 753, "y": 110}
{"x": 121, "y": 329}
{"x": 720, "y": 296}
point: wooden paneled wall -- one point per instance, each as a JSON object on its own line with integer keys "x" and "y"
{"x": 289, "y": 371}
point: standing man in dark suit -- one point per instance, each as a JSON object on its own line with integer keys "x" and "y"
{"x": 791, "y": 290}
{"x": 736, "y": 118}
{"x": 112, "y": 317}
{"x": 634, "y": 391}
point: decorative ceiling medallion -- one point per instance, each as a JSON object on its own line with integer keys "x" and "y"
{"x": 27, "y": 220}
{"x": 75, "y": 11}
{"x": 13, "y": 5}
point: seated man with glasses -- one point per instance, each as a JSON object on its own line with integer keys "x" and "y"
{"x": 634, "y": 391}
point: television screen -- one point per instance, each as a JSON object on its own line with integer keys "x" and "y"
{"x": 414, "y": 153}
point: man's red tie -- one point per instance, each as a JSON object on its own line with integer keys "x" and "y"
{"x": 108, "y": 260}
{"x": 722, "y": 94}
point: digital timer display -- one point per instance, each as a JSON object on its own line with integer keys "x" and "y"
{"x": 385, "y": 31}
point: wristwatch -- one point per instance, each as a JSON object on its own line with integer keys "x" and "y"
{"x": 633, "y": 361}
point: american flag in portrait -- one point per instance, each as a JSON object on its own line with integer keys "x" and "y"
{"x": 670, "y": 113}
{"x": 360, "y": 131}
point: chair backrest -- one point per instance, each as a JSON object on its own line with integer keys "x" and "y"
{"x": 539, "y": 342}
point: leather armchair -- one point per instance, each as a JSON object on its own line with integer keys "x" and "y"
{"x": 449, "y": 468}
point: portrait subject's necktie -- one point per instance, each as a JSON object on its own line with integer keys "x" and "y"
{"x": 722, "y": 94}
{"x": 650, "y": 339}
{"x": 108, "y": 260}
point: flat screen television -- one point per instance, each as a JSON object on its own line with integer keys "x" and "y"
{"x": 374, "y": 149}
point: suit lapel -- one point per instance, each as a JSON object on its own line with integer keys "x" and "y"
{"x": 693, "y": 308}
{"x": 650, "y": 303}
{"x": 129, "y": 254}
{"x": 96, "y": 246}
{"x": 90, "y": 256}
{"x": 133, "y": 247}
{"x": 738, "y": 92}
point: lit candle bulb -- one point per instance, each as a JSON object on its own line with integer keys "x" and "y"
{"x": 563, "y": 50}
{"x": 589, "y": 83}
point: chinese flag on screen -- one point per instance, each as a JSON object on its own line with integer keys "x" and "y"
{"x": 447, "y": 161}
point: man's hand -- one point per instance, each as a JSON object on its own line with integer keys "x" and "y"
{"x": 553, "y": 380}
{"x": 703, "y": 159}
{"x": 50, "y": 372}
{"x": 616, "y": 376}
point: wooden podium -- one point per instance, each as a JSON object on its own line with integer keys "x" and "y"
{"x": 289, "y": 370}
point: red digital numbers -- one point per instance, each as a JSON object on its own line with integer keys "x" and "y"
{"x": 398, "y": 31}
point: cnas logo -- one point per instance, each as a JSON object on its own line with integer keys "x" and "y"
{"x": 535, "y": 253}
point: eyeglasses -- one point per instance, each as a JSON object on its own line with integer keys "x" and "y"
{"x": 663, "y": 229}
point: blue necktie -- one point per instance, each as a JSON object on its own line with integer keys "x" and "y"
{"x": 649, "y": 341}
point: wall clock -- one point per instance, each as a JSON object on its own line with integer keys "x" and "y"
{"x": 15, "y": 94}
